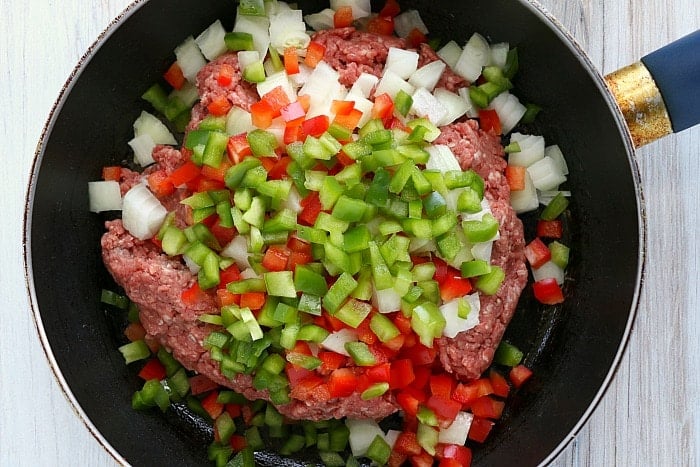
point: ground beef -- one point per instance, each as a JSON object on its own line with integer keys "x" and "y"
{"x": 352, "y": 52}
{"x": 469, "y": 353}
{"x": 155, "y": 281}
{"x": 239, "y": 92}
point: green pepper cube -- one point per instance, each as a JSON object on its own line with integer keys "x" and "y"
{"x": 349, "y": 209}
{"x": 353, "y": 312}
{"x": 338, "y": 292}
{"x": 307, "y": 280}
{"x": 280, "y": 284}
{"x": 360, "y": 353}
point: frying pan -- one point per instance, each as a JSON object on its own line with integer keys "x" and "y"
{"x": 572, "y": 349}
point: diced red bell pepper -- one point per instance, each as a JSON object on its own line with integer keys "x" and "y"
{"x": 279, "y": 169}
{"x": 364, "y": 333}
{"x": 160, "y": 184}
{"x": 390, "y": 8}
{"x": 396, "y": 459}
{"x": 234, "y": 410}
{"x": 515, "y": 175}
{"x": 295, "y": 374}
{"x": 334, "y": 323}
{"x": 222, "y": 234}
{"x": 548, "y": 291}
{"x": 262, "y": 114}
{"x": 219, "y": 106}
{"x": 383, "y": 25}
{"x": 310, "y": 388}
{"x": 442, "y": 270}
{"x": 331, "y": 361}
{"x": 153, "y": 369}
{"x": 441, "y": 385}
{"x": 314, "y": 54}
{"x": 454, "y": 287}
{"x": 291, "y": 61}
{"x": 296, "y": 259}
{"x": 342, "y": 107}
{"x": 519, "y": 374}
{"x": 401, "y": 373}
{"x": 415, "y": 38}
{"x": 403, "y": 323}
{"x": 489, "y": 121}
{"x": 185, "y": 173}
{"x": 498, "y": 383}
{"x": 466, "y": 393}
{"x": 342, "y": 18}
{"x": 216, "y": 173}
{"x": 422, "y": 374}
{"x": 487, "y": 407}
{"x": 238, "y": 148}
{"x": 460, "y": 454}
{"x": 174, "y": 76}
{"x": 226, "y": 298}
{"x": 422, "y": 460}
{"x": 342, "y": 382}
{"x": 192, "y": 295}
{"x": 252, "y": 300}
{"x": 206, "y": 184}
{"x": 311, "y": 208}
{"x": 111, "y": 173}
{"x": 379, "y": 373}
{"x": 293, "y": 133}
{"x": 419, "y": 354}
{"x": 230, "y": 274}
{"x": 407, "y": 444}
{"x": 238, "y": 443}
{"x": 383, "y": 106}
{"x": 225, "y": 76}
{"x": 450, "y": 463}
{"x": 349, "y": 120}
{"x": 276, "y": 258}
{"x": 396, "y": 343}
{"x": 199, "y": 384}
{"x": 213, "y": 408}
{"x": 315, "y": 126}
{"x": 480, "y": 429}
{"x": 537, "y": 253}
{"x": 277, "y": 98}
{"x": 410, "y": 399}
{"x": 445, "y": 409}
{"x": 549, "y": 229}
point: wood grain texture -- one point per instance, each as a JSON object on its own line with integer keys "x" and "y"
{"x": 647, "y": 417}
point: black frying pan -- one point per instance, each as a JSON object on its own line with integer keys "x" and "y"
{"x": 573, "y": 349}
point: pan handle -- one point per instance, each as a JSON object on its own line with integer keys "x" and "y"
{"x": 660, "y": 94}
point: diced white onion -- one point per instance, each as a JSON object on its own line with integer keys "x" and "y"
{"x": 450, "y": 311}
{"x": 555, "y": 153}
{"x": 258, "y": 27}
{"x": 428, "y": 75}
{"x": 391, "y": 83}
{"x": 482, "y": 250}
{"x": 321, "y": 20}
{"x": 421, "y": 245}
{"x": 457, "y": 432}
{"x": 509, "y": 110}
{"x": 142, "y": 213}
{"x": 211, "y": 41}
{"x": 387, "y": 300}
{"x": 104, "y": 196}
{"x": 401, "y": 61}
{"x": 293, "y": 200}
{"x": 249, "y": 273}
{"x": 525, "y": 200}
{"x": 143, "y": 146}
{"x": 149, "y": 124}
{"x": 360, "y": 8}
{"x": 279, "y": 79}
{"x": 364, "y": 84}
{"x": 450, "y": 53}
{"x": 531, "y": 149}
{"x": 391, "y": 436}
{"x": 549, "y": 270}
{"x": 362, "y": 433}
{"x": 472, "y": 111}
{"x": 299, "y": 79}
{"x": 287, "y": 29}
{"x": 188, "y": 94}
{"x": 407, "y": 21}
{"x": 546, "y": 174}
{"x": 499, "y": 54}
{"x": 426, "y": 105}
{"x": 191, "y": 265}
{"x": 247, "y": 57}
{"x": 277, "y": 128}
{"x": 321, "y": 84}
{"x": 237, "y": 249}
{"x": 475, "y": 56}
{"x": 238, "y": 121}
{"x": 456, "y": 106}
{"x": 190, "y": 58}
{"x": 441, "y": 158}
{"x": 336, "y": 341}
{"x": 546, "y": 196}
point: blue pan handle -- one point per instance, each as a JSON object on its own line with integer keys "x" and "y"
{"x": 676, "y": 71}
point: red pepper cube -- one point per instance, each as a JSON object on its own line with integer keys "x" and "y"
{"x": 291, "y": 61}
{"x": 499, "y": 383}
{"x": 445, "y": 409}
{"x": 519, "y": 374}
{"x": 314, "y": 54}
{"x": 537, "y": 253}
{"x": 174, "y": 76}
{"x": 548, "y": 291}
{"x": 316, "y": 126}
{"x": 441, "y": 385}
{"x": 480, "y": 429}
{"x": 153, "y": 369}
{"x": 487, "y": 407}
{"x": 401, "y": 374}
{"x": 342, "y": 18}
{"x": 342, "y": 382}
{"x": 489, "y": 121}
{"x": 549, "y": 229}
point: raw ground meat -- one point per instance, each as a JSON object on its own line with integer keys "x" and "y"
{"x": 155, "y": 281}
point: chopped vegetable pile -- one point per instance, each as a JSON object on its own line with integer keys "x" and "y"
{"x": 338, "y": 240}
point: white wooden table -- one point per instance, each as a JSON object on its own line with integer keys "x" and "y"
{"x": 649, "y": 416}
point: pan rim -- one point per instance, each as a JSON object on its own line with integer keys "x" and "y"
{"x": 537, "y": 9}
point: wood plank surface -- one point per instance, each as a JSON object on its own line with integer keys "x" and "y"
{"x": 649, "y": 416}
